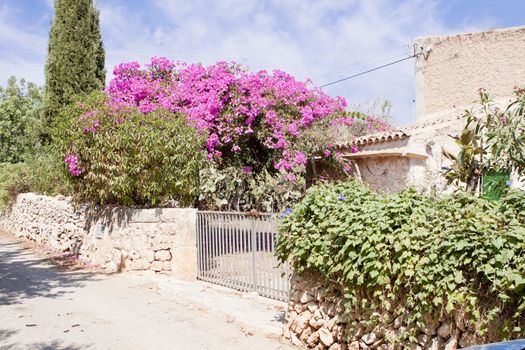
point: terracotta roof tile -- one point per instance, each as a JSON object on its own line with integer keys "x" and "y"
{"x": 384, "y": 136}
{"x": 402, "y": 132}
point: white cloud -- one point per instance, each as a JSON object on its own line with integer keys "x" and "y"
{"x": 322, "y": 40}
{"x": 22, "y": 52}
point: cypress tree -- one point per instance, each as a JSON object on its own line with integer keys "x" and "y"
{"x": 75, "y": 61}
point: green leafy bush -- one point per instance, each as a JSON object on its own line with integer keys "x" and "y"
{"x": 407, "y": 252}
{"x": 127, "y": 157}
{"x": 39, "y": 173}
{"x": 20, "y": 122}
{"x": 232, "y": 188}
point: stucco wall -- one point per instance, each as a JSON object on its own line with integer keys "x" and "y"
{"x": 448, "y": 78}
{"x": 428, "y": 175}
{"x": 116, "y": 239}
{"x": 425, "y": 173}
{"x": 451, "y": 74}
{"x": 385, "y": 174}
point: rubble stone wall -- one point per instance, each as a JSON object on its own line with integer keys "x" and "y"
{"x": 114, "y": 238}
{"x": 315, "y": 319}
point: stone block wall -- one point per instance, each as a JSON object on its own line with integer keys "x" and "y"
{"x": 315, "y": 319}
{"x": 115, "y": 238}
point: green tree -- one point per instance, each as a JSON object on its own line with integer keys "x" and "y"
{"x": 127, "y": 157}
{"x": 75, "y": 62}
{"x": 20, "y": 123}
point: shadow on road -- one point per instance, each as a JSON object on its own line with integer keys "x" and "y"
{"x": 22, "y": 276}
{"x": 52, "y": 345}
{"x": 6, "y": 333}
{"x": 280, "y": 317}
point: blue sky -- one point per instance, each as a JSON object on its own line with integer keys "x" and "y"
{"x": 323, "y": 40}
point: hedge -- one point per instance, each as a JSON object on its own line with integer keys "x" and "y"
{"x": 409, "y": 252}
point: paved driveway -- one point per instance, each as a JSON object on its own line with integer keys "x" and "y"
{"x": 45, "y": 307}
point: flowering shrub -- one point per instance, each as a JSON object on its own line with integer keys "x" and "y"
{"x": 122, "y": 156}
{"x": 72, "y": 163}
{"x": 262, "y": 126}
{"x": 250, "y": 119}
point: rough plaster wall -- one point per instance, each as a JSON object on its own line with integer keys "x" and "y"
{"x": 428, "y": 175}
{"x": 393, "y": 174}
{"x": 385, "y": 174}
{"x": 461, "y": 64}
{"x": 447, "y": 82}
{"x": 161, "y": 240}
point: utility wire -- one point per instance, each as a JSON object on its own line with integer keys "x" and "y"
{"x": 364, "y": 63}
{"x": 368, "y": 71}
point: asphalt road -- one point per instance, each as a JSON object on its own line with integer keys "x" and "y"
{"x": 46, "y": 307}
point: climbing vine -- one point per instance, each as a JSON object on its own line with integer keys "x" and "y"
{"x": 408, "y": 252}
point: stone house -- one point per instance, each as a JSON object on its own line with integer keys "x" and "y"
{"x": 449, "y": 71}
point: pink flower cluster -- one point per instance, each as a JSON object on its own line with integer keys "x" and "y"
{"x": 240, "y": 112}
{"x": 377, "y": 124}
{"x": 72, "y": 161}
{"x": 348, "y": 121}
{"x": 90, "y": 121}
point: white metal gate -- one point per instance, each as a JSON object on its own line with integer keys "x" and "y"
{"x": 236, "y": 250}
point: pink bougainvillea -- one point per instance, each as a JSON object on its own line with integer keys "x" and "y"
{"x": 90, "y": 122}
{"x": 72, "y": 161}
{"x": 377, "y": 124}
{"x": 258, "y": 116}
{"x": 251, "y": 119}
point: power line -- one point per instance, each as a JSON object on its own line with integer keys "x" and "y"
{"x": 368, "y": 71}
{"x": 335, "y": 74}
{"x": 364, "y": 63}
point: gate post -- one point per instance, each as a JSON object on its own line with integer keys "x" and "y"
{"x": 183, "y": 229}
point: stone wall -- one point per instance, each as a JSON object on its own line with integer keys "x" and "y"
{"x": 114, "y": 238}
{"x": 315, "y": 319}
{"x": 452, "y": 68}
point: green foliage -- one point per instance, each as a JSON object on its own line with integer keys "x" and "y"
{"x": 75, "y": 62}
{"x": 466, "y": 166}
{"x": 495, "y": 184}
{"x": 407, "y": 252}
{"x": 19, "y": 120}
{"x": 492, "y": 140}
{"x": 232, "y": 189}
{"x": 39, "y": 173}
{"x": 503, "y": 131}
{"x": 131, "y": 158}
